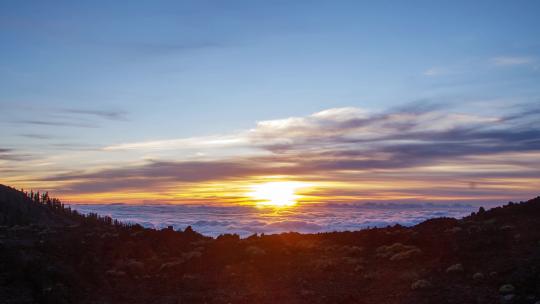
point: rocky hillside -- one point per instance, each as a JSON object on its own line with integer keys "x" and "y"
{"x": 50, "y": 254}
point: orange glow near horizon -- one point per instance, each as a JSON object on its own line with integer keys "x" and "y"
{"x": 267, "y": 191}
{"x": 280, "y": 191}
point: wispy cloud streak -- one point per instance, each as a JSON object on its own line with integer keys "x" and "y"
{"x": 512, "y": 60}
{"x": 56, "y": 123}
{"x": 112, "y": 115}
{"x": 12, "y": 155}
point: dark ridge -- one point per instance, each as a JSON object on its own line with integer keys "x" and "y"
{"x": 52, "y": 254}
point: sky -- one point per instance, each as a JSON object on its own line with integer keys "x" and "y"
{"x": 201, "y": 102}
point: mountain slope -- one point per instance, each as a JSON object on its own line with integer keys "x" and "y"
{"x": 16, "y": 208}
{"x": 53, "y": 255}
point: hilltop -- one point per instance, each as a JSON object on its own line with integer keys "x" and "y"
{"x": 52, "y": 254}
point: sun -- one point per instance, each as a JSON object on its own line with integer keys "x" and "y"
{"x": 276, "y": 194}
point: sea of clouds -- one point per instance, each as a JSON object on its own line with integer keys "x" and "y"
{"x": 245, "y": 220}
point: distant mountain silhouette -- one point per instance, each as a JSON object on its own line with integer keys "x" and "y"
{"x": 52, "y": 254}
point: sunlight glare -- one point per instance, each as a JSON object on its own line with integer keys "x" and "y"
{"x": 276, "y": 194}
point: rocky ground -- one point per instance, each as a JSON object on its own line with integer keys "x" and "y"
{"x": 49, "y": 254}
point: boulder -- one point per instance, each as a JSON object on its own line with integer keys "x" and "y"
{"x": 170, "y": 265}
{"x": 456, "y": 268}
{"x": 478, "y": 276}
{"x": 420, "y": 285}
{"x": 404, "y": 255}
{"x": 135, "y": 267}
{"x": 115, "y": 273}
{"x": 507, "y": 289}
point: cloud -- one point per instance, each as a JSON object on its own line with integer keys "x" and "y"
{"x": 415, "y": 151}
{"x": 57, "y": 123}
{"x": 414, "y": 123}
{"x": 112, "y": 115}
{"x": 12, "y": 155}
{"x": 73, "y": 146}
{"x": 156, "y": 173}
{"x": 37, "y": 136}
{"x": 512, "y": 60}
{"x": 291, "y": 225}
{"x": 213, "y": 221}
{"x": 182, "y": 143}
{"x": 160, "y": 48}
{"x": 62, "y": 117}
{"x": 435, "y": 71}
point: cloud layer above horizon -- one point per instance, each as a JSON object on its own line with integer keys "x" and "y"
{"x": 418, "y": 152}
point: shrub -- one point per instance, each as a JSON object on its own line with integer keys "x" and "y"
{"x": 397, "y": 251}
{"x": 255, "y": 251}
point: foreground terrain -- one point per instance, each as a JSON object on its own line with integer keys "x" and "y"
{"x": 50, "y": 254}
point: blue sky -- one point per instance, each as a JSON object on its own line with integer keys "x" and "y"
{"x": 88, "y": 75}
